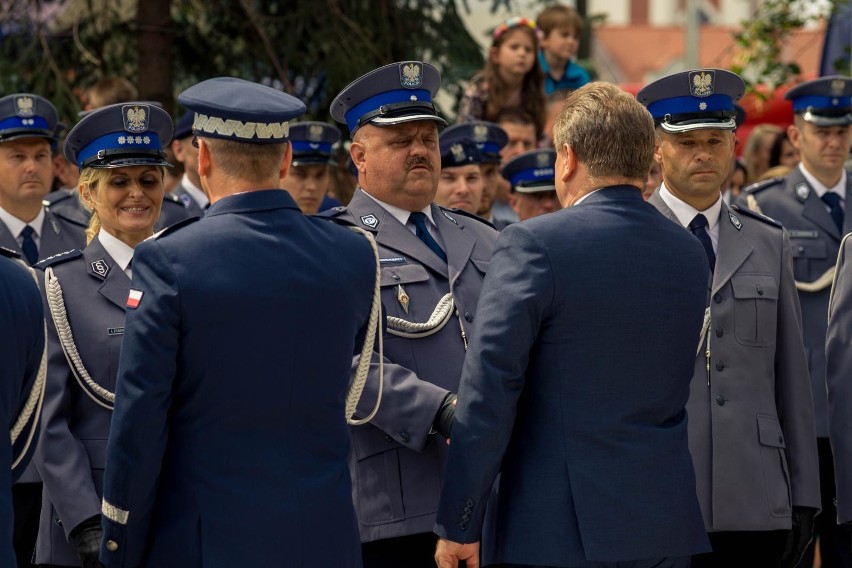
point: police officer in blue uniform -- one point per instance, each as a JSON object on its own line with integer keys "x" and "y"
{"x": 188, "y": 192}
{"x": 118, "y": 150}
{"x": 22, "y": 352}
{"x": 433, "y": 262}
{"x": 229, "y": 438}
{"x": 751, "y": 421}
{"x": 533, "y": 187}
{"x": 811, "y": 203}
{"x": 460, "y": 185}
{"x": 27, "y": 132}
{"x": 309, "y": 178}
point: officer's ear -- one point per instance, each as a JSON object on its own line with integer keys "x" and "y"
{"x": 286, "y": 161}
{"x": 795, "y": 136}
{"x": 357, "y": 150}
{"x": 204, "y": 162}
{"x": 569, "y": 165}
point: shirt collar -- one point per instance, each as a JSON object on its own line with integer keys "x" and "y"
{"x": 685, "y": 212}
{"x": 400, "y": 214}
{"x": 195, "y": 192}
{"x": 16, "y": 225}
{"x": 582, "y": 199}
{"x": 839, "y": 188}
{"x": 120, "y": 251}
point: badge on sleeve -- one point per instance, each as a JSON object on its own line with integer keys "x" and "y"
{"x": 134, "y": 298}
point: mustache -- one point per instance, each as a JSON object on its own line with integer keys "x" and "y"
{"x": 418, "y": 161}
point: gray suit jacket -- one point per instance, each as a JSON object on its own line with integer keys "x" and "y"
{"x": 814, "y": 240}
{"x": 396, "y": 464}
{"x": 751, "y": 421}
{"x": 838, "y": 350}
{"x": 72, "y": 448}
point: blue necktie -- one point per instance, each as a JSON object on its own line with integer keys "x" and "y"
{"x": 419, "y": 220}
{"x": 698, "y": 227}
{"x": 28, "y": 245}
{"x": 833, "y": 201}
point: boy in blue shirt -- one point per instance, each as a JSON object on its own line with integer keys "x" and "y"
{"x": 562, "y": 27}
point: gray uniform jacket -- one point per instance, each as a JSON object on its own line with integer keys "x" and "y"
{"x": 838, "y": 350}
{"x": 814, "y": 239}
{"x": 72, "y": 448}
{"x": 751, "y": 418}
{"x": 396, "y": 464}
{"x": 193, "y": 209}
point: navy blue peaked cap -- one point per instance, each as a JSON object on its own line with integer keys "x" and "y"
{"x": 393, "y": 94}
{"x": 826, "y": 101}
{"x": 123, "y": 134}
{"x": 459, "y": 153}
{"x": 24, "y": 115}
{"x": 235, "y": 109}
{"x": 692, "y": 100}
{"x": 313, "y": 142}
{"x": 488, "y": 137}
{"x": 532, "y": 171}
{"x": 183, "y": 126}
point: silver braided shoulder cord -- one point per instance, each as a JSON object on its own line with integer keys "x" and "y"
{"x": 56, "y": 303}
{"x": 439, "y": 318}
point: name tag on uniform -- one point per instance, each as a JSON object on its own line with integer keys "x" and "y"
{"x": 115, "y": 331}
{"x": 392, "y": 260}
{"x": 804, "y": 234}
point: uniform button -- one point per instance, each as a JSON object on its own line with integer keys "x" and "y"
{"x": 388, "y": 438}
{"x": 780, "y": 439}
{"x": 112, "y": 546}
{"x": 719, "y": 332}
{"x": 395, "y": 276}
{"x": 720, "y": 366}
{"x": 468, "y": 503}
{"x": 468, "y": 317}
{"x": 717, "y": 298}
{"x": 720, "y": 400}
{"x": 404, "y": 436}
{"x": 759, "y": 290}
{"x": 467, "y": 510}
{"x": 801, "y": 249}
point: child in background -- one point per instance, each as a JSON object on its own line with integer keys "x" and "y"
{"x": 562, "y": 27}
{"x": 511, "y": 78}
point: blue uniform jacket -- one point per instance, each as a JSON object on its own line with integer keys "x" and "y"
{"x": 575, "y": 388}
{"x": 229, "y": 443}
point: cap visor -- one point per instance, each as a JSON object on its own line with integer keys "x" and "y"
{"x": 127, "y": 162}
{"x": 534, "y": 188}
{"x": 822, "y": 120}
{"x": 689, "y": 126}
{"x": 390, "y": 121}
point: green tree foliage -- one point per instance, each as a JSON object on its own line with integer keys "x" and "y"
{"x": 311, "y": 48}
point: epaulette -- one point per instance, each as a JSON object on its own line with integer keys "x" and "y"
{"x": 332, "y": 212}
{"x": 67, "y": 218}
{"x": 58, "y": 258}
{"x": 9, "y": 253}
{"x": 755, "y": 215}
{"x": 172, "y": 228}
{"x": 55, "y": 197}
{"x": 335, "y": 218}
{"x": 446, "y": 211}
{"x": 171, "y": 198}
{"x": 761, "y": 185}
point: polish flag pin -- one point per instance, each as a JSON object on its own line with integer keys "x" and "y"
{"x": 134, "y": 298}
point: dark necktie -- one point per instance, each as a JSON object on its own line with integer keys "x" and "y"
{"x": 698, "y": 227}
{"x": 833, "y": 201}
{"x": 28, "y": 244}
{"x": 419, "y": 220}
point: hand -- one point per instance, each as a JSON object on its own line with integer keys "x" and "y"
{"x": 86, "y": 538}
{"x": 448, "y": 554}
{"x": 799, "y": 537}
{"x": 443, "y": 422}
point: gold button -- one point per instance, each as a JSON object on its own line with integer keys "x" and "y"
{"x": 112, "y": 546}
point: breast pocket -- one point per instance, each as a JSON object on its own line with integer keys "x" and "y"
{"x": 809, "y": 256}
{"x": 397, "y": 284}
{"x": 755, "y": 308}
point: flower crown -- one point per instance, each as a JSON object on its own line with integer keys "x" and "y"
{"x": 514, "y": 22}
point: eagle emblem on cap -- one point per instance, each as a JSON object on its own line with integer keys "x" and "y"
{"x": 542, "y": 160}
{"x": 458, "y": 152}
{"x": 701, "y": 83}
{"x": 411, "y": 75}
{"x": 24, "y": 106}
{"x": 315, "y": 132}
{"x": 480, "y": 133}
{"x": 837, "y": 87}
{"x": 135, "y": 118}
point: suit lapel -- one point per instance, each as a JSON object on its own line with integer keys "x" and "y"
{"x": 734, "y": 248}
{"x": 115, "y": 285}
{"x": 459, "y": 245}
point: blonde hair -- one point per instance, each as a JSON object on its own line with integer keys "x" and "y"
{"x": 91, "y": 180}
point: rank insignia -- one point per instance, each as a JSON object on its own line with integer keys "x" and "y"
{"x": 135, "y": 118}
{"x": 24, "y": 107}
{"x": 802, "y": 191}
{"x": 735, "y": 221}
{"x": 411, "y": 74}
{"x": 100, "y": 267}
{"x": 402, "y": 297}
{"x": 701, "y": 83}
{"x": 370, "y": 220}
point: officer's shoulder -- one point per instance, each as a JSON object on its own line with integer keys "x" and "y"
{"x": 172, "y": 199}
{"x": 336, "y": 215}
{"x": 450, "y": 213}
{"x": 763, "y": 185}
{"x": 60, "y": 258}
{"x": 737, "y": 210}
{"x": 63, "y": 217}
{"x": 57, "y": 196}
{"x": 171, "y": 229}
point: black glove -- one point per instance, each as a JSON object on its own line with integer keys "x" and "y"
{"x": 86, "y": 538}
{"x": 799, "y": 537}
{"x": 443, "y": 423}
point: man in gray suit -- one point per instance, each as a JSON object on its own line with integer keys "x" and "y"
{"x": 433, "y": 262}
{"x": 751, "y": 421}
{"x": 810, "y": 202}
